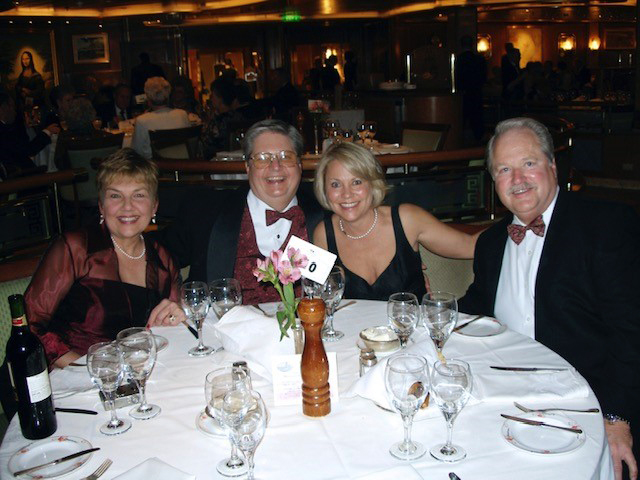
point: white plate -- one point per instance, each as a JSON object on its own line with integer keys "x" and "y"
{"x": 161, "y": 342}
{"x": 483, "y": 327}
{"x": 543, "y": 440}
{"x": 49, "y": 449}
{"x": 209, "y": 426}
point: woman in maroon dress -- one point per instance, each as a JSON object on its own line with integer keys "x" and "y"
{"x": 96, "y": 281}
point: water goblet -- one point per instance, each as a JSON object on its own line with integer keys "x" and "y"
{"x": 104, "y": 362}
{"x": 440, "y": 313}
{"x": 195, "y": 302}
{"x": 138, "y": 349}
{"x": 217, "y": 384}
{"x": 406, "y": 379}
{"x": 245, "y": 416}
{"x": 311, "y": 289}
{"x": 362, "y": 132}
{"x": 372, "y": 128}
{"x": 225, "y": 294}
{"x": 332, "y": 292}
{"x": 403, "y": 314}
{"x": 451, "y": 384}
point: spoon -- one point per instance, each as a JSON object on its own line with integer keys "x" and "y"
{"x": 542, "y": 410}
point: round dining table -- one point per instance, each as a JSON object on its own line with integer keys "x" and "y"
{"x": 352, "y": 442}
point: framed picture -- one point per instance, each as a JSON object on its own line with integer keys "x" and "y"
{"x": 90, "y": 48}
{"x": 623, "y": 38}
{"x": 529, "y": 41}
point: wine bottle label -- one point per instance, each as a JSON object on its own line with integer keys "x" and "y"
{"x": 39, "y": 386}
{"x": 20, "y": 321}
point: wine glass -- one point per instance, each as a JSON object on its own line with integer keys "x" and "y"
{"x": 372, "y": 128}
{"x": 217, "y": 384}
{"x": 406, "y": 378}
{"x": 403, "y": 314}
{"x": 362, "y": 131}
{"x": 451, "y": 384}
{"x": 138, "y": 349}
{"x": 195, "y": 302}
{"x": 311, "y": 289}
{"x": 440, "y": 313}
{"x": 104, "y": 362}
{"x": 245, "y": 415}
{"x": 332, "y": 292}
{"x": 225, "y": 294}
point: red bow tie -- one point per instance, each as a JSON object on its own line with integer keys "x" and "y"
{"x": 293, "y": 214}
{"x": 517, "y": 232}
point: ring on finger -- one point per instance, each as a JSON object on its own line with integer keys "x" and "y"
{"x": 172, "y": 318}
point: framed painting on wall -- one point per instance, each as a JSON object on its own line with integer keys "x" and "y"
{"x": 622, "y": 38}
{"x": 529, "y": 41}
{"x": 90, "y": 48}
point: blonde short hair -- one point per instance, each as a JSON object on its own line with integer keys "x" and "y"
{"x": 129, "y": 164}
{"x": 360, "y": 162}
{"x": 157, "y": 90}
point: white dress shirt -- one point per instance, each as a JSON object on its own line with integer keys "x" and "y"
{"x": 270, "y": 237}
{"x": 515, "y": 297}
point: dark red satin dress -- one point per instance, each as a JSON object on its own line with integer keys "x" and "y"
{"x": 76, "y": 297}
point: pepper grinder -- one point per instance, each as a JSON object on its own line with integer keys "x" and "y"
{"x": 316, "y": 401}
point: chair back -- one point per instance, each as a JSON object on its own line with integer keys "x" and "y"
{"x": 176, "y": 143}
{"x": 424, "y": 137}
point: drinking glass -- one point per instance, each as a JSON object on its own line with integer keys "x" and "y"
{"x": 332, "y": 292}
{"x": 245, "y": 416}
{"x": 97, "y": 123}
{"x": 225, "y": 294}
{"x": 362, "y": 131}
{"x": 195, "y": 302}
{"x": 450, "y": 386}
{"x": 104, "y": 362}
{"x": 406, "y": 378}
{"x": 311, "y": 289}
{"x": 138, "y": 349}
{"x": 372, "y": 128}
{"x": 440, "y": 313}
{"x": 217, "y": 384}
{"x": 403, "y": 314}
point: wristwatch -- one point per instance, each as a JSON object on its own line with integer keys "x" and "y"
{"x": 612, "y": 418}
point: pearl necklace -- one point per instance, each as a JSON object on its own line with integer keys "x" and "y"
{"x": 144, "y": 249}
{"x": 359, "y": 237}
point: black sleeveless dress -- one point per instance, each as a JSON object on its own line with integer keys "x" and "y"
{"x": 403, "y": 274}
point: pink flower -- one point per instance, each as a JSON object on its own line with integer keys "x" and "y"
{"x": 261, "y": 268}
{"x": 287, "y": 273}
{"x": 276, "y": 256}
{"x": 297, "y": 259}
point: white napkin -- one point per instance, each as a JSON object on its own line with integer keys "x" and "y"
{"x": 70, "y": 380}
{"x": 156, "y": 469}
{"x": 405, "y": 472}
{"x": 256, "y": 337}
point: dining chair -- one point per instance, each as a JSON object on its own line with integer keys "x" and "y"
{"x": 176, "y": 143}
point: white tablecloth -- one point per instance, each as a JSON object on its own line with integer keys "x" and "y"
{"x": 351, "y": 442}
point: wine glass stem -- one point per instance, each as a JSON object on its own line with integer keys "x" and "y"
{"x": 248, "y": 455}
{"x": 449, "y": 432}
{"x": 199, "y": 326}
{"x": 234, "y": 459}
{"x": 407, "y": 422}
{"x": 142, "y": 386}
{"x": 112, "y": 408}
{"x": 329, "y": 328}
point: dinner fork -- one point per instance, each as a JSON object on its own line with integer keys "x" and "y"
{"x": 99, "y": 471}
{"x": 542, "y": 410}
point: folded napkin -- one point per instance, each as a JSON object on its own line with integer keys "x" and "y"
{"x": 69, "y": 381}
{"x": 156, "y": 469}
{"x": 256, "y": 337}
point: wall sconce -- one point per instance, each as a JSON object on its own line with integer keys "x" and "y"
{"x": 484, "y": 45}
{"x": 594, "y": 43}
{"x": 566, "y": 42}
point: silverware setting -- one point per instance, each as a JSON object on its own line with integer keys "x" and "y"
{"x": 345, "y": 305}
{"x": 193, "y": 331}
{"x": 56, "y": 461}
{"x": 460, "y": 327}
{"x": 537, "y": 423}
{"x": 76, "y": 364}
{"x": 528, "y": 369}
{"x": 99, "y": 471}
{"x": 453, "y": 476}
{"x": 542, "y": 410}
{"x": 76, "y": 410}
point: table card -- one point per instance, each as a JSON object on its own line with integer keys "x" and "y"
{"x": 320, "y": 260}
{"x": 287, "y": 382}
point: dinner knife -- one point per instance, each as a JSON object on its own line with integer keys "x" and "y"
{"x": 460, "y": 327}
{"x": 529, "y": 369}
{"x": 76, "y": 410}
{"x": 537, "y": 423}
{"x": 56, "y": 462}
{"x": 193, "y": 331}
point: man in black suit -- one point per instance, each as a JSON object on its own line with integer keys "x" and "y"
{"x": 568, "y": 276}
{"x": 222, "y": 233}
{"x": 117, "y": 110}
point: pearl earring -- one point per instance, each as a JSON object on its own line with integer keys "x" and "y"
{"x": 101, "y": 219}
{"x": 153, "y": 219}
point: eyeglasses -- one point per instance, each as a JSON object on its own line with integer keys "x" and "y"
{"x": 287, "y": 158}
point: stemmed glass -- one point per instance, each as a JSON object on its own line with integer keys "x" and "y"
{"x": 372, "y": 128}
{"x": 440, "y": 313}
{"x": 225, "y": 294}
{"x": 104, "y": 362}
{"x": 138, "y": 349}
{"x": 403, "y": 314}
{"x": 195, "y": 302}
{"x": 245, "y": 415}
{"x": 406, "y": 378}
{"x": 332, "y": 292}
{"x": 362, "y": 131}
{"x": 451, "y": 384}
{"x": 217, "y": 384}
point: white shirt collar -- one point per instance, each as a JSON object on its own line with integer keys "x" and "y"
{"x": 269, "y": 237}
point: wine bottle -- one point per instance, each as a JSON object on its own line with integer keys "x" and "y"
{"x": 29, "y": 376}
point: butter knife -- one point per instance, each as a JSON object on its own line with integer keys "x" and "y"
{"x": 536, "y": 423}
{"x": 529, "y": 369}
{"x": 460, "y": 327}
{"x": 55, "y": 462}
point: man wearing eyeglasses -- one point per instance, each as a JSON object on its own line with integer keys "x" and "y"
{"x": 222, "y": 233}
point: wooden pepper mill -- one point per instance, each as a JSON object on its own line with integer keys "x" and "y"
{"x": 316, "y": 401}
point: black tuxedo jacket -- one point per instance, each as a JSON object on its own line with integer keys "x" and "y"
{"x": 587, "y": 295}
{"x": 107, "y": 113}
{"x": 205, "y": 233}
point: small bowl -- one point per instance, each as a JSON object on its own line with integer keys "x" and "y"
{"x": 380, "y": 339}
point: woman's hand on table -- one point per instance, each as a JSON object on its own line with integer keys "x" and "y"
{"x": 620, "y": 443}
{"x": 166, "y": 313}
